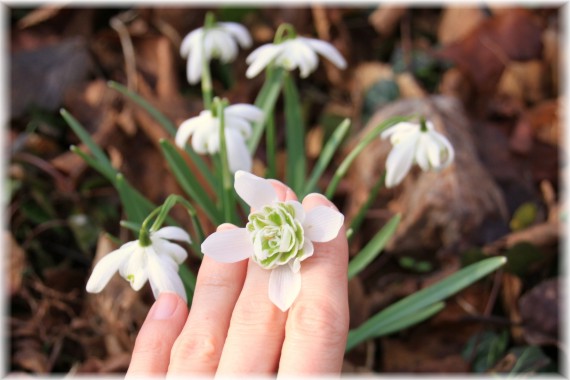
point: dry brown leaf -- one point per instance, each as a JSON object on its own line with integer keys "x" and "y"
{"x": 540, "y": 311}
{"x": 17, "y": 263}
{"x": 457, "y": 21}
{"x": 385, "y": 19}
{"x": 512, "y": 288}
{"x": 483, "y": 54}
{"x": 455, "y": 84}
{"x": 544, "y": 118}
{"x": 40, "y": 15}
{"x": 409, "y": 86}
{"x": 439, "y": 209}
{"x": 524, "y": 81}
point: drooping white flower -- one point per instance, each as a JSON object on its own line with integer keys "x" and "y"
{"x": 205, "y": 132}
{"x": 219, "y": 40}
{"x": 158, "y": 263}
{"x": 278, "y": 236}
{"x": 295, "y": 52}
{"x": 415, "y": 143}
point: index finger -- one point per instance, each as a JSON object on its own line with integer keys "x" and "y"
{"x": 317, "y": 325}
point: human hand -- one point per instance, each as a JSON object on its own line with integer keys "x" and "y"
{"x": 233, "y": 327}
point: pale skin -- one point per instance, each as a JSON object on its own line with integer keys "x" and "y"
{"x": 234, "y": 329}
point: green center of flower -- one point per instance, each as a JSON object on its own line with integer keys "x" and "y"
{"x": 277, "y": 236}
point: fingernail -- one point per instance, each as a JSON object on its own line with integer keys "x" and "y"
{"x": 164, "y": 306}
{"x": 327, "y": 202}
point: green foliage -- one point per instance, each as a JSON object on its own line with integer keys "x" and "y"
{"x": 485, "y": 349}
{"x": 524, "y": 216}
{"x": 422, "y": 299}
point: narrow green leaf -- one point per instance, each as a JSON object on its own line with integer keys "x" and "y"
{"x": 359, "y": 218}
{"x": 367, "y": 139}
{"x": 136, "y": 211}
{"x": 410, "y": 320}
{"x": 135, "y": 227}
{"x": 228, "y": 199}
{"x": 266, "y": 100}
{"x": 164, "y": 210}
{"x": 271, "y": 147}
{"x": 188, "y": 182}
{"x": 103, "y": 162}
{"x": 94, "y": 164}
{"x": 168, "y": 126}
{"x": 294, "y": 137}
{"x": 374, "y": 247}
{"x": 189, "y": 281}
{"x": 326, "y": 155}
{"x": 423, "y": 298}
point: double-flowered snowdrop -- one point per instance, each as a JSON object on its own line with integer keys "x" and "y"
{"x": 214, "y": 40}
{"x": 415, "y": 142}
{"x": 155, "y": 260}
{"x": 205, "y": 132}
{"x": 278, "y": 236}
{"x": 291, "y": 53}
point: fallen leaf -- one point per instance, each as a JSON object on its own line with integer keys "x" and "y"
{"x": 457, "y": 22}
{"x": 17, "y": 264}
{"x": 540, "y": 311}
{"x": 485, "y": 52}
{"x": 385, "y": 19}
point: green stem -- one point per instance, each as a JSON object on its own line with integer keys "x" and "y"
{"x": 280, "y": 33}
{"x": 271, "y": 147}
{"x": 359, "y": 218}
{"x": 228, "y": 201}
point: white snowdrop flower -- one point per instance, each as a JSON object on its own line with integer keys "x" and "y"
{"x": 278, "y": 236}
{"x": 415, "y": 142}
{"x": 205, "y": 132}
{"x": 158, "y": 263}
{"x": 220, "y": 40}
{"x": 291, "y": 53}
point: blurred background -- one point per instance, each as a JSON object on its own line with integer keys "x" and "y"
{"x": 488, "y": 76}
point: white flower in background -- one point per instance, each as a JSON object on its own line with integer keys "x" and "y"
{"x": 158, "y": 263}
{"x": 205, "y": 132}
{"x": 296, "y": 52}
{"x": 220, "y": 41}
{"x": 418, "y": 143}
{"x": 278, "y": 236}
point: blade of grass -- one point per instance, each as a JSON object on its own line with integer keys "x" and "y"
{"x": 359, "y": 218}
{"x": 367, "y": 139}
{"x": 188, "y": 182}
{"x": 266, "y": 100}
{"x": 168, "y": 126}
{"x": 271, "y": 147}
{"x": 423, "y": 298}
{"x": 103, "y": 162}
{"x": 228, "y": 199}
{"x": 410, "y": 320}
{"x": 326, "y": 156}
{"x": 94, "y": 164}
{"x": 294, "y": 136}
{"x": 189, "y": 281}
{"x": 374, "y": 247}
{"x": 135, "y": 210}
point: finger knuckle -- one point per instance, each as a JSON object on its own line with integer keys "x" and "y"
{"x": 256, "y": 317}
{"x": 200, "y": 347}
{"x": 322, "y": 318}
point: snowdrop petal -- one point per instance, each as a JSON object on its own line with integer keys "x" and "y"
{"x": 194, "y": 66}
{"x": 299, "y": 210}
{"x": 450, "y": 152}
{"x": 421, "y": 154}
{"x": 237, "y": 124}
{"x": 322, "y": 224}
{"x": 399, "y": 128}
{"x": 239, "y": 157}
{"x": 308, "y": 250}
{"x": 246, "y": 111}
{"x": 433, "y": 152}
{"x": 326, "y": 50}
{"x": 190, "y": 41}
{"x": 284, "y": 286}
{"x": 173, "y": 233}
{"x": 106, "y": 268}
{"x": 163, "y": 278}
{"x": 228, "y": 246}
{"x": 172, "y": 250}
{"x": 223, "y": 46}
{"x": 255, "y": 191}
{"x": 262, "y": 58}
{"x": 238, "y": 31}
{"x": 201, "y": 137}
{"x": 400, "y": 161}
{"x": 136, "y": 269}
{"x": 186, "y": 130}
